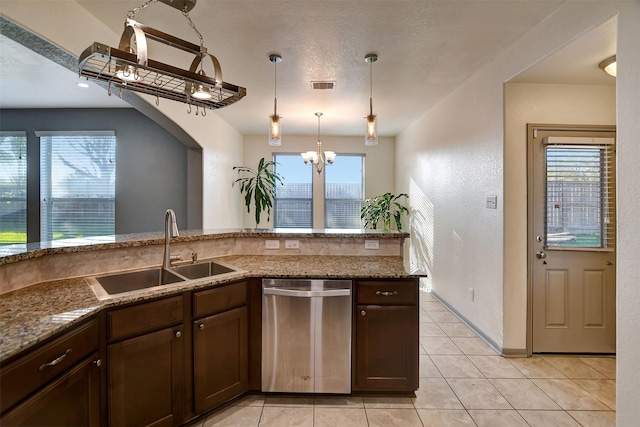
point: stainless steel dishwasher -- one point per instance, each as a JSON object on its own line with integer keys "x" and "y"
{"x": 306, "y": 336}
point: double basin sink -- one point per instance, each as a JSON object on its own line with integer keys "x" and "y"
{"x": 108, "y": 285}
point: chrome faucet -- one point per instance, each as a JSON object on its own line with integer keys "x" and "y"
{"x": 169, "y": 216}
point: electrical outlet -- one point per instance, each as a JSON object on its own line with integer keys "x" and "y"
{"x": 492, "y": 202}
{"x": 272, "y": 244}
{"x": 292, "y": 244}
{"x": 372, "y": 244}
{"x": 471, "y": 294}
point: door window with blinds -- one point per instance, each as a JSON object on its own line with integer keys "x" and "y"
{"x": 344, "y": 192}
{"x": 77, "y": 184}
{"x": 580, "y": 193}
{"x": 13, "y": 187}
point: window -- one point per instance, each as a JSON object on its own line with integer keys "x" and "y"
{"x": 294, "y": 200}
{"x": 13, "y": 187}
{"x": 580, "y": 189}
{"x": 344, "y": 192}
{"x": 77, "y": 184}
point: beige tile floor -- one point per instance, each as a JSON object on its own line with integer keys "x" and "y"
{"x": 463, "y": 382}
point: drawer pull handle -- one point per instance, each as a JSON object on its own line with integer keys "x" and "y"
{"x": 98, "y": 362}
{"x": 387, "y": 293}
{"x": 55, "y": 361}
{"x": 363, "y": 313}
{"x": 178, "y": 334}
{"x": 201, "y": 326}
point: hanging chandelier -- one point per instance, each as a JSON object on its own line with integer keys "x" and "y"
{"x": 317, "y": 159}
{"x": 371, "y": 132}
{"x": 275, "y": 128}
{"x": 128, "y": 67}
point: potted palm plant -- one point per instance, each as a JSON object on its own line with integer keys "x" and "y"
{"x": 258, "y": 187}
{"x": 383, "y": 208}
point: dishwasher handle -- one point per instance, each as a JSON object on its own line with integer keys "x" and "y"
{"x": 307, "y": 294}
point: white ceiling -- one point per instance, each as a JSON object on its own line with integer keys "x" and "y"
{"x": 426, "y": 48}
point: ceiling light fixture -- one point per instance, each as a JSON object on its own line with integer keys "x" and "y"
{"x": 275, "y": 129}
{"x": 129, "y": 68}
{"x": 609, "y": 66}
{"x": 316, "y": 157}
{"x": 371, "y": 133}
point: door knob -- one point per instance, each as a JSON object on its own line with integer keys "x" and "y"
{"x": 541, "y": 255}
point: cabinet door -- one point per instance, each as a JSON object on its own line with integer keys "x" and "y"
{"x": 386, "y": 348}
{"x": 220, "y": 357}
{"x": 146, "y": 379}
{"x": 71, "y": 400}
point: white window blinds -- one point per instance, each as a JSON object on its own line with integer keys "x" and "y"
{"x": 294, "y": 200}
{"x": 13, "y": 187}
{"x": 580, "y": 192}
{"x": 77, "y": 184}
{"x": 344, "y": 192}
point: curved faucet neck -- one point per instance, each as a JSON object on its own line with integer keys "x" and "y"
{"x": 170, "y": 230}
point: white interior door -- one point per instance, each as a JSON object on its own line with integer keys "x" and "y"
{"x": 572, "y": 239}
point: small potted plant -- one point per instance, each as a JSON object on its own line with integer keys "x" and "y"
{"x": 259, "y": 187}
{"x": 383, "y": 208}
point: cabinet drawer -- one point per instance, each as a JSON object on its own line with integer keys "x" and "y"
{"x": 219, "y": 299}
{"x": 145, "y": 317}
{"x": 387, "y": 292}
{"x": 35, "y": 369}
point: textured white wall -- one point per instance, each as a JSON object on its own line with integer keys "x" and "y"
{"x": 628, "y": 239}
{"x": 536, "y": 103}
{"x": 453, "y": 156}
{"x": 379, "y": 160}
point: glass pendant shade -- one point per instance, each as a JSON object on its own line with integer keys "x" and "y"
{"x": 371, "y": 133}
{"x": 275, "y": 130}
{"x": 275, "y": 127}
{"x": 330, "y": 156}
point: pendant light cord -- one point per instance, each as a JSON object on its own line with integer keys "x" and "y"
{"x": 275, "y": 88}
{"x": 371, "y": 88}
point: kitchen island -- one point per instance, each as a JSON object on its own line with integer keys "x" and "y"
{"x": 34, "y": 315}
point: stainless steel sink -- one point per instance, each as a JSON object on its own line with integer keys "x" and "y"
{"x": 108, "y": 285}
{"x": 200, "y": 270}
{"x": 136, "y": 280}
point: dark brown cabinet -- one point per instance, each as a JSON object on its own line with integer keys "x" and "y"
{"x": 146, "y": 364}
{"x": 56, "y": 384}
{"x": 386, "y": 335}
{"x": 220, "y": 345}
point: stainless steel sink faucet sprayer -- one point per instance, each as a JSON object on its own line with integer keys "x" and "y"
{"x": 169, "y": 217}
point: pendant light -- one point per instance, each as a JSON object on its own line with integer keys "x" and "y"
{"x": 275, "y": 127}
{"x": 317, "y": 159}
{"x": 371, "y": 132}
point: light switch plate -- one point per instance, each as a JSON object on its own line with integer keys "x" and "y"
{"x": 492, "y": 202}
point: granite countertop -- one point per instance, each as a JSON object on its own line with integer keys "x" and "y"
{"x": 21, "y": 252}
{"x": 33, "y": 314}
